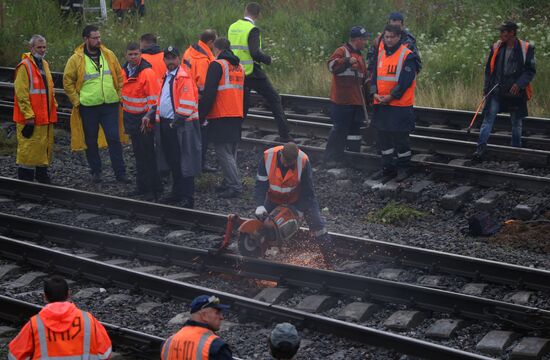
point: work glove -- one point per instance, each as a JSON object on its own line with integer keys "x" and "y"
{"x": 261, "y": 212}
{"x": 27, "y": 131}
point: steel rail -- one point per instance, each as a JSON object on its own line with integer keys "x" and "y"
{"x": 74, "y": 266}
{"x": 483, "y": 177}
{"x": 301, "y": 104}
{"x": 318, "y": 127}
{"x": 368, "y": 288}
{"x": 425, "y": 259}
{"x": 419, "y": 143}
{"x": 142, "y": 345}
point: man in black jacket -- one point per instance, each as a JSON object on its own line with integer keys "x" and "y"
{"x": 139, "y": 93}
{"x": 221, "y": 105}
{"x": 509, "y": 71}
{"x": 256, "y": 79}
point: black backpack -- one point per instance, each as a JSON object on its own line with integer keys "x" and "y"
{"x": 482, "y": 224}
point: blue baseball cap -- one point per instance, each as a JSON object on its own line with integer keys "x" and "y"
{"x": 396, "y": 15}
{"x": 358, "y": 31}
{"x": 207, "y": 301}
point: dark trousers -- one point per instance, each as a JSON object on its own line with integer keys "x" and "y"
{"x": 266, "y": 90}
{"x": 182, "y": 187}
{"x": 204, "y": 143}
{"x": 345, "y": 132}
{"x": 105, "y": 115}
{"x": 147, "y": 177}
{"x": 395, "y": 149}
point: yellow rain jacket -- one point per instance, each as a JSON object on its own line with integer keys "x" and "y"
{"x": 73, "y": 78}
{"x": 38, "y": 149}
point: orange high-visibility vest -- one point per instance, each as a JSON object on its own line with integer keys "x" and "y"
{"x": 387, "y": 75}
{"x": 140, "y": 93}
{"x": 230, "y": 95}
{"x": 185, "y": 97}
{"x": 196, "y": 62}
{"x": 81, "y": 340}
{"x": 37, "y": 95}
{"x": 190, "y": 343}
{"x": 283, "y": 190}
{"x": 157, "y": 62}
{"x": 524, "y": 46}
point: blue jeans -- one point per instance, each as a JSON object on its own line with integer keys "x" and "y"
{"x": 105, "y": 115}
{"x": 345, "y": 132}
{"x": 489, "y": 120}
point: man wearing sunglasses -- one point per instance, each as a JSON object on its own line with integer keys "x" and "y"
{"x": 197, "y": 338}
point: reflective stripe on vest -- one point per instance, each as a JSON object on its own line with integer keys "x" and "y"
{"x": 349, "y": 71}
{"x": 283, "y": 190}
{"x": 41, "y": 329}
{"x": 191, "y": 342}
{"x": 524, "y": 47}
{"x": 32, "y": 89}
{"x": 186, "y": 106}
{"x": 238, "y": 37}
{"x": 402, "y": 55}
{"x": 389, "y": 69}
{"x": 166, "y": 348}
{"x": 230, "y": 96}
{"x": 98, "y": 86}
{"x": 202, "y": 342}
{"x": 40, "y": 100}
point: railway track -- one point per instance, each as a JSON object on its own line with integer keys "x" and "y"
{"x": 440, "y": 166}
{"x": 424, "y": 299}
{"x": 318, "y": 126}
{"x": 302, "y": 107}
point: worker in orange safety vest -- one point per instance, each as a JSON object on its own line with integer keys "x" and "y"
{"x": 285, "y": 177}
{"x": 177, "y": 129}
{"x": 139, "y": 94}
{"x": 197, "y": 338}
{"x": 222, "y": 105}
{"x": 34, "y": 112}
{"x": 60, "y": 330}
{"x": 393, "y": 87}
{"x": 195, "y": 61}
{"x": 151, "y": 52}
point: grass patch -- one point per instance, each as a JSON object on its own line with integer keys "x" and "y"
{"x": 394, "y": 213}
{"x": 206, "y": 181}
{"x": 453, "y": 38}
{"x": 8, "y": 146}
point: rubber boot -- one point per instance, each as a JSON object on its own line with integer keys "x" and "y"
{"x": 41, "y": 175}
{"x": 25, "y": 174}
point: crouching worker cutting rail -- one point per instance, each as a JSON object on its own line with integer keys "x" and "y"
{"x": 285, "y": 182}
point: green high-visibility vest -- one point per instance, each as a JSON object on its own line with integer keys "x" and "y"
{"x": 98, "y": 86}
{"x": 238, "y": 37}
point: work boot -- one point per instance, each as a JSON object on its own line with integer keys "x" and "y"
{"x": 402, "y": 174}
{"x": 96, "y": 178}
{"x": 41, "y": 175}
{"x": 122, "y": 179}
{"x": 25, "y": 174}
{"x": 209, "y": 169}
{"x": 478, "y": 154}
{"x": 384, "y": 175}
{"x": 229, "y": 193}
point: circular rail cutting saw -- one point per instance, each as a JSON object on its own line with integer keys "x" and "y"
{"x": 255, "y": 236}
